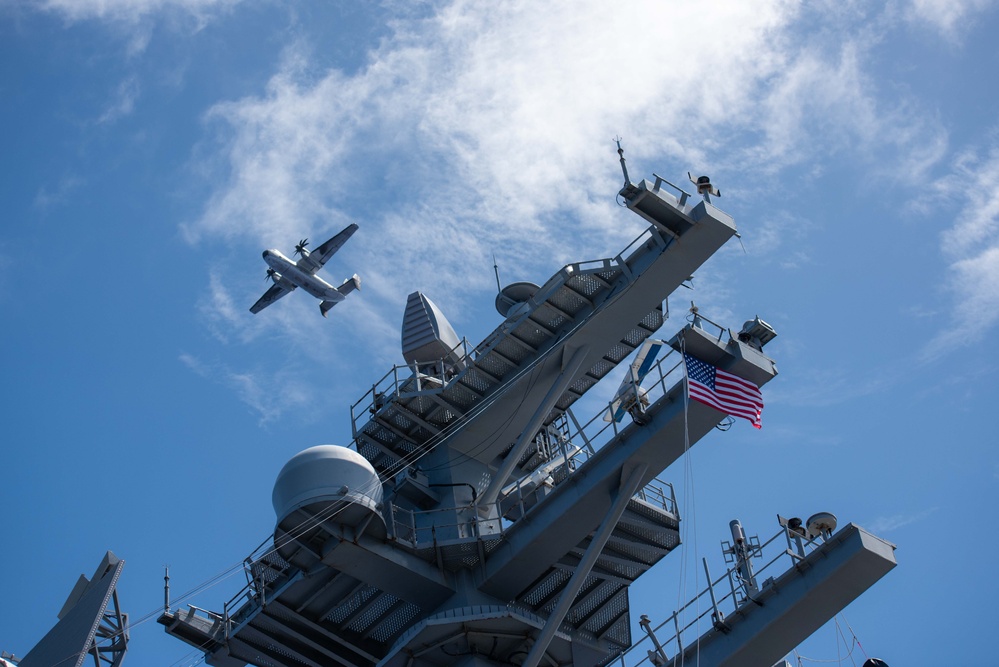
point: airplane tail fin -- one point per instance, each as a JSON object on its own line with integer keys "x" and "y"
{"x": 349, "y": 285}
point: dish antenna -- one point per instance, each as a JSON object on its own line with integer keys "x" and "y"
{"x": 820, "y": 524}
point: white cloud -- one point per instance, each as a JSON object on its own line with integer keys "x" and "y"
{"x": 123, "y": 103}
{"x": 489, "y": 129}
{"x": 135, "y": 21}
{"x": 131, "y": 11}
{"x": 495, "y": 125}
{"x": 515, "y": 101}
{"x": 949, "y": 17}
{"x": 976, "y": 281}
{"x": 781, "y": 235}
{"x": 975, "y": 183}
{"x": 268, "y": 394}
{"x": 45, "y": 199}
{"x": 818, "y": 387}
{"x": 970, "y": 244}
{"x": 220, "y": 310}
{"x": 825, "y": 101}
{"x": 887, "y": 524}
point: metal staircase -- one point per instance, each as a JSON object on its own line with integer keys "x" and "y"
{"x": 410, "y": 410}
{"x": 508, "y": 532}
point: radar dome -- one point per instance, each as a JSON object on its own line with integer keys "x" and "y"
{"x": 822, "y": 523}
{"x": 512, "y": 299}
{"x": 324, "y": 484}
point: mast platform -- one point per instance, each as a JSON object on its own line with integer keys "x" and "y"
{"x": 508, "y": 532}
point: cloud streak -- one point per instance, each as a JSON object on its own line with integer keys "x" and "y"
{"x": 886, "y": 524}
{"x": 970, "y": 244}
{"x": 132, "y": 11}
{"x": 473, "y": 130}
{"x": 494, "y": 126}
{"x": 948, "y": 17}
{"x": 123, "y": 102}
{"x": 268, "y": 394}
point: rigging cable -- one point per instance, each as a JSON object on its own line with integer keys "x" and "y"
{"x": 297, "y": 531}
{"x": 398, "y": 465}
{"x": 852, "y": 646}
{"x": 691, "y": 516}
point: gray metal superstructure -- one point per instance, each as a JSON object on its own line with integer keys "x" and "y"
{"x": 92, "y": 627}
{"x": 485, "y": 524}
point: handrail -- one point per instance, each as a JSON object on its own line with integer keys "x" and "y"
{"x": 393, "y": 383}
{"x": 405, "y": 525}
{"x": 737, "y": 596}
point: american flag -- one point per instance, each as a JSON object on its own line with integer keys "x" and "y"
{"x": 724, "y": 391}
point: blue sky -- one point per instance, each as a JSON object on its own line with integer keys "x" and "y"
{"x": 152, "y": 148}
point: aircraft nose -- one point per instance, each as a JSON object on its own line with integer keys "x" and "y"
{"x": 267, "y": 254}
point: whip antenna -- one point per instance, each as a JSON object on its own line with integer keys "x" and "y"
{"x": 624, "y": 166}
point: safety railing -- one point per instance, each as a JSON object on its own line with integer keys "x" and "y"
{"x": 721, "y": 597}
{"x": 517, "y": 499}
{"x": 595, "y": 433}
{"x": 659, "y": 494}
{"x": 404, "y": 381}
{"x": 407, "y": 382}
{"x": 420, "y": 529}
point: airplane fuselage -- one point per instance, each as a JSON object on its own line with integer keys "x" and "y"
{"x": 288, "y": 274}
{"x": 312, "y": 284}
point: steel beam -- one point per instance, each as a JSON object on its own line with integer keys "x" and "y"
{"x": 627, "y": 488}
{"x": 789, "y": 609}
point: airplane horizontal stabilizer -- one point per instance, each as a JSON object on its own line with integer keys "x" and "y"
{"x": 349, "y": 285}
{"x": 324, "y": 306}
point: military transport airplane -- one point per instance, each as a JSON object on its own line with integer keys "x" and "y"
{"x": 287, "y": 275}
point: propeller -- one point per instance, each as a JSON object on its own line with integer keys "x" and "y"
{"x": 270, "y": 274}
{"x": 302, "y": 245}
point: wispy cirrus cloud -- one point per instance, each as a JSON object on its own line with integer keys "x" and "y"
{"x": 135, "y": 21}
{"x": 886, "y": 524}
{"x": 970, "y": 244}
{"x": 46, "y": 198}
{"x": 267, "y": 393}
{"x": 494, "y": 126}
{"x": 131, "y": 11}
{"x": 479, "y": 130}
{"x": 122, "y": 103}
{"x": 949, "y": 17}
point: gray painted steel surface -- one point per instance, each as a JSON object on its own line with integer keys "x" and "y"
{"x": 493, "y": 534}
{"x": 91, "y": 625}
{"x": 797, "y": 603}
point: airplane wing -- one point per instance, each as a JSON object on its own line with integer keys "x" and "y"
{"x": 269, "y": 297}
{"x": 315, "y": 260}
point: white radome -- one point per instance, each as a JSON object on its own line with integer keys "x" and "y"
{"x": 326, "y": 473}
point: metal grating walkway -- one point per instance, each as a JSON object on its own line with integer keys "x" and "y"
{"x": 406, "y": 416}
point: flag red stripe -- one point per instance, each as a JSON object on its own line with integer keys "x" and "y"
{"x": 753, "y": 417}
{"x": 754, "y": 397}
{"x": 705, "y": 395}
{"x": 731, "y": 394}
{"x": 737, "y": 386}
{"x": 746, "y": 384}
{"x": 739, "y": 399}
